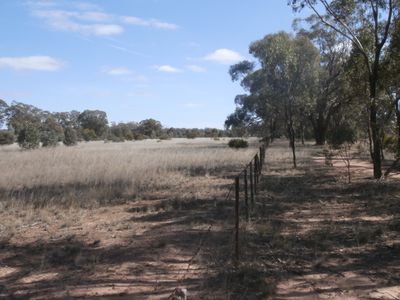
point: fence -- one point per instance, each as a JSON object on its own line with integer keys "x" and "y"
{"x": 251, "y": 178}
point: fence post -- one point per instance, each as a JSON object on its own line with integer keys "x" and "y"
{"x": 246, "y": 195}
{"x": 251, "y": 184}
{"x": 255, "y": 174}
{"x": 237, "y": 219}
{"x": 261, "y": 159}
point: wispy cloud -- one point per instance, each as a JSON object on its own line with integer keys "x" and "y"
{"x": 168, "y": 69}
{"x": 87, "y": 19}
{"x": 196, "y": 68}
{"x": 72, "y": 21}
{"x": 148, "y": 23}
{"x": 192, "y": 105}
{"x": 125, "y": 74}
{"x": 36, "y": 63}
{"x": 118, "y": 71}
{"x": 224, "y": 56}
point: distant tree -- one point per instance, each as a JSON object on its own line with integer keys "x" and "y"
{"x": 20, "y": 115}
{"x": 88, "y": 134}
{"x": 68, "y": 119}
{"x": 51, "y": 132}
{"x": 6, "y": 137}
{"x": 70, "y": 136}
{"x": 150, "y": 128}
{"x": 95, "y": 120}
{"x": 29, "y": 137}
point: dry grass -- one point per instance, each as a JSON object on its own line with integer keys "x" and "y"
{"x": 97, "y": 173}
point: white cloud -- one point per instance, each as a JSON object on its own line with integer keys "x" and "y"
{"x": 88, "y": 19}
{"x": 69, "y": 21}
{"x": 168, "y": 69}
{"x": 196, "y": 69}
{"x": 120, "y": 71}
{"x": 37, "y": 63}
{"x": 125, "y": 74}
{"x": 148, "y": 23}
{"x": 192, "y": 105}
{"x": 224, "y": 56}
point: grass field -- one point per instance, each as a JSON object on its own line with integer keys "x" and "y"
{"x": 101, "y": 173}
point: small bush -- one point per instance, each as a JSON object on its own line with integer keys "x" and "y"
{"x": 342, "y": 134}
{"x": 70, "y": 137}
{"x": 29, "y": 137}
{"x": 89, "y": 135}
{"x": 238, "y": 143}
{"x": 49, "y": 138}
{"x": 116, "y": 139}
{"x": 6, "y": 137}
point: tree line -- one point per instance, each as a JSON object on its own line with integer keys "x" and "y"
{"x": 32, "y": 127}
{"x": 335, "y": 79}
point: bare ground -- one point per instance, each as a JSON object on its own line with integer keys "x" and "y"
{"x": 311, "y": 236}
{"x": 317, "y": 237}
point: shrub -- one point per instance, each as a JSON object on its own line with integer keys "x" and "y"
{"x": 115, "y": 139}
{"x": 238, "y": 143}
{"x": 70, "y": 137}
{"x": 139, "y": 137}
{"x": 29, "y": 137}
{"x": 6, "y": 137}
{"x": 89, "y": 135}
{"x": 342, "y": 134}
{"x": 49, "y": 138}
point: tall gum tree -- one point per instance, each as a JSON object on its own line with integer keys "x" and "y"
{"x": 279, "y": 87}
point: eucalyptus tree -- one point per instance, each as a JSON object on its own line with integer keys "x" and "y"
{"x": 280, "y": 88}
{"x": 369, "y": 26}
{"x": 329, "y": 93}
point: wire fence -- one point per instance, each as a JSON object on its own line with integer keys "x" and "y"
{"x": 248, "y": 189}
{"x": 245, "y": 183}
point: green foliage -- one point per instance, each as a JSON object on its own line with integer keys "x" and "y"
{"x": 49, "y": 138}
{"x": 51, "y": 132}
{"x": 89, "y": 135}
{"x": 115, "y": 139}
{"x": 95, "y": 121}
{"x": 150, "y": 128}
{"x": 238, "y": 143}
{"x": 341, "y": 134}
{"x": 192, "y": 134}
{"x": 6, "y": 137}
{"x": 139, "y": 137}
{"x": 29, "y": 137}
{"x": 70, "y": 136}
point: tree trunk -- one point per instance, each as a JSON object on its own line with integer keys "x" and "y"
{"x": 319, "y": 128}
{"x": 292, "y": 143}
{"x": 398, "y": 128}
{"x": 376, "y": 141}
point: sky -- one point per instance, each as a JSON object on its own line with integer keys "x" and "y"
{"x": 134, "y": 59}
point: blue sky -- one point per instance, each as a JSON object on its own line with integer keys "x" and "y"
{"x": 134, "y": 59}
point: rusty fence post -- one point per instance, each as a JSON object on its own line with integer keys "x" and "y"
{"x": 246, "y": 195}
{"x": 237, "y": 219}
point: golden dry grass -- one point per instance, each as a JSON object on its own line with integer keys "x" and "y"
{"x": 98, "y": 172}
